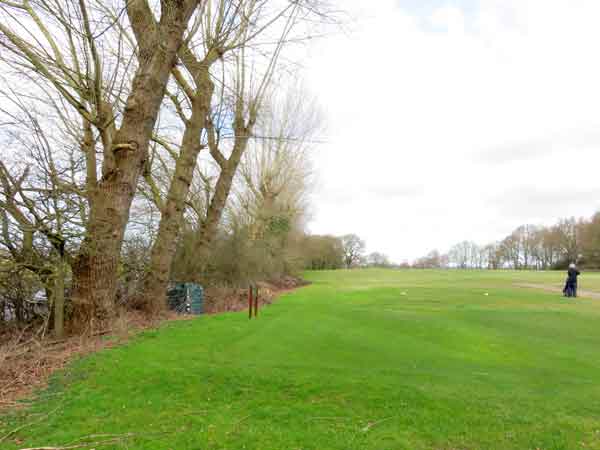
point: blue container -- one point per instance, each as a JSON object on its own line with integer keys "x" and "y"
{"x": 186, "y": 298}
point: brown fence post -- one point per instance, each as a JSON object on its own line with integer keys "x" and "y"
{"x": 250, "y": 301}
{"x": 256, "y": 301}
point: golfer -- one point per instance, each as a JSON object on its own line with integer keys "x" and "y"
{"x": 570, "y": 289}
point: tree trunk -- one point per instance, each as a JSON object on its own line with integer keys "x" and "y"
{"x": 209, "y": 227}
{"x": 95, "y": 271}
{"x": 58, "y": 295}
{"x": 208, "y": 230}
{"x": 157, "y": 279}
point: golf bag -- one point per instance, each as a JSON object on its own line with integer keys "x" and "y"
{"x": 570, "y": 289}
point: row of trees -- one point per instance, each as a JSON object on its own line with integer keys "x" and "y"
{"x": 348, "y": 251}
{"x": 145, "y": 141}
{"x": 527, "y": 247}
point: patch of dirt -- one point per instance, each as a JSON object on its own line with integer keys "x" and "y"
{"x": 552, "y": 288}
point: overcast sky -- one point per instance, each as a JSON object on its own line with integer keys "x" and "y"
{"x": 452, "y": 120}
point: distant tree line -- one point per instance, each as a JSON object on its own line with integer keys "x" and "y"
{"x": 348, "y": 251}
{"x": 529, "y": 246}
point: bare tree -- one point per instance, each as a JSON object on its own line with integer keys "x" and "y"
{"x": 378, "y": 259}
{"x": 354, "y": 249}
{"x": 69, "y": 49}
{"x": 276, "y": 173}
{"x": 566, "y": 231}
{"x": 42, "y": 207}
{"x": 460, "y": 255}
{"x": 493, "y": 256}
{"x": 433, "y": 260}
{"x": 225, "y": 37}
{"x": 261, "y": 232}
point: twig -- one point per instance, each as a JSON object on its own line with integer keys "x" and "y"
{"x": 101, "y": 333}
{"x": 373, "y": 424}
{"x": 19, "y": 428}
{"x": 113, "y": 440}
{"x": 5, "y": 388}
{"x": 85, "y": 444}
{"x": 51, "y": 343}
{"x": 8, "y": 402}
{"x": 330, "y": 418}
{"x": 235, "y": 425}
{"x": 241, "y": 420}
{"x": 194, "y": 413}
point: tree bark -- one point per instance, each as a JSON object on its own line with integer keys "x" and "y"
{"x": 163, "y": 250}
{"x": 208, "y": 230}
{"x": 95, "y": 270}
{"x": 58, "y": 295}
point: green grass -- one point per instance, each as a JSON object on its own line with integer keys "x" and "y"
{"x": 350, "y": 363}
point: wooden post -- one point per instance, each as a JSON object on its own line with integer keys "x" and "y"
{"x": 256, "y": 301}
{"x": 250, "y": 301}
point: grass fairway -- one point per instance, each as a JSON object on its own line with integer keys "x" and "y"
{"x": 351, "y": 363}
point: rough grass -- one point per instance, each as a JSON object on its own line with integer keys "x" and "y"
{"x": 348, "y": 363}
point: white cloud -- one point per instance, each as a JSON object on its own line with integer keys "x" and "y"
{"x": 450, "y": 19}
{"x": 436, "y": 114}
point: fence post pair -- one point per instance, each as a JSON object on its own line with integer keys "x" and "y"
{"x": 252, "y": 300}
